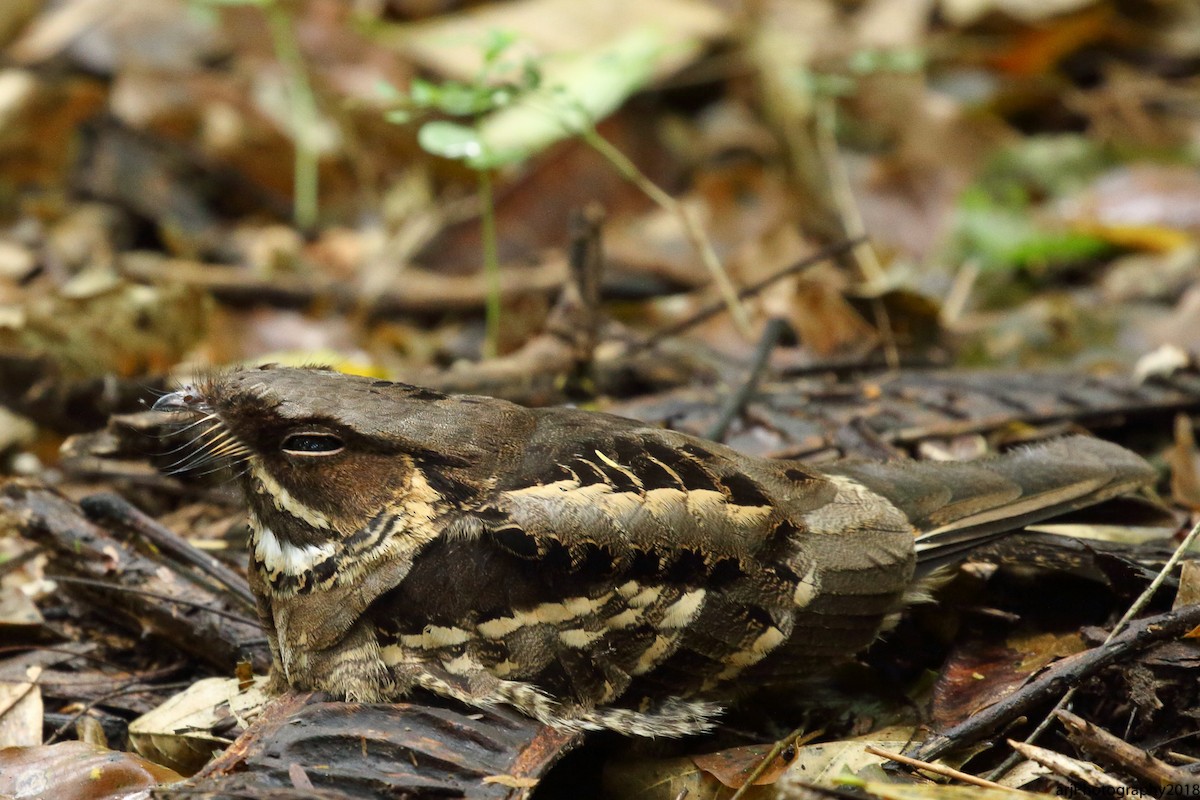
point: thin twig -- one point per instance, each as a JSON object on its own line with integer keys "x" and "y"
{"x": 575, "y": 318}
{"x": 737, "y": 401}
{"x": 1143, "y": 600}
{"x": 883, "y": 323}
{"x": 762, "y": 766}
{"x": 134, "y": 686}
{"x": 937, "y": 769}
{"x": 1051, "y": 682}
{"x": 691, "y": 226}
{"x": 116, "y": 587}
{"x": 20, "y": 560}
{"x": 824, "y": 254}
{"x": 955, "y": 301}
{"x": 843, "y": 196}
{"x": 491, "y": 265}
{"x": 113, "y": 508}
{"x": 852, "y": 223}
{"x": 304, "y": 121}
{"x": 1117, "y": 752}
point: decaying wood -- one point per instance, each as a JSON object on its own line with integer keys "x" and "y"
{"x": 374, "y": 750}
{"x": 1083, "y": 772}
{"x": 415, "y": 291}
{"x": 144, "y": 594}
{"x": 37, "y": 387}
{"x": 114, "y": 510}
{"x": 1117, "y": 752}
{"x": 816, "y": 417}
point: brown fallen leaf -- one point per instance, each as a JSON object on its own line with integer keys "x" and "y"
{"x": 979, "y": 673}
{"x": 733, "y": 766}
{"x": 1185, "y": 464}
{"x": 77, "y": 771}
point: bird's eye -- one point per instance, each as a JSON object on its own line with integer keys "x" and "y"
{"x": 312, "y": 444}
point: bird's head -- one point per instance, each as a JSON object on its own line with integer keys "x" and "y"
{"x": 320, "y": 453}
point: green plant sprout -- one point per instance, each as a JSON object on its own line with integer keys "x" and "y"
{"x": 587, "y": 91}
{"x": 511, "y": 121}
{"x": 490, "y": 89}
{"x": 304, "y": 119}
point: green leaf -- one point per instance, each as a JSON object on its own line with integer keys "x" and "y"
{"x": 450, "y": 140}
{"x": 531, "y": 75}
{"x": 871, "y": 61}
{"x": 461, "y": 100}
{"x": 388, "y": 93}
{"x": 423, "y": 93}
{"x": 497, "y": 42}
{"x": 1007, "y": 237}
{"x": 1045, "y": 165}
{"x": 585, "y": 88}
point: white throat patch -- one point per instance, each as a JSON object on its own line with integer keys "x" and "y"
{"x": 278, "y": 556}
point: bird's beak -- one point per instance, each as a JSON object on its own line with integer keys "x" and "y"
{"x": 185, "y": 399}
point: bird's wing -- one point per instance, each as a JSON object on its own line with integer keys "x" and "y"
{"x": 620, "y": 563}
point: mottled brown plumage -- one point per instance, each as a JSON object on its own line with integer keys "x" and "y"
{"x": 584, "y": 568}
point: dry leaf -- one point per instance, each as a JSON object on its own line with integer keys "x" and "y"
{"x": 1185, "y": 464}
{"x": 77, "y": 771}
{"x": 512, "y": 781}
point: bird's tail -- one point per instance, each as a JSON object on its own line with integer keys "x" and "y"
{"x": 957, "y": 506}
